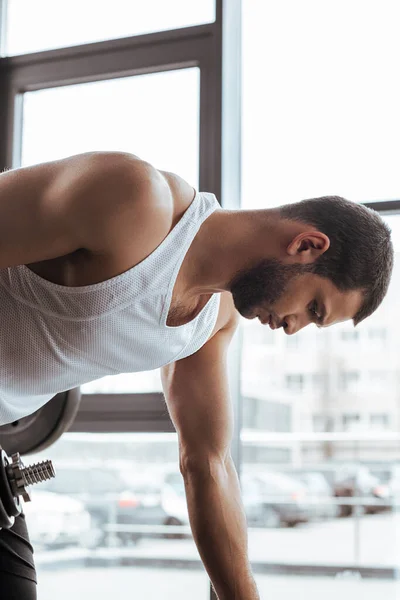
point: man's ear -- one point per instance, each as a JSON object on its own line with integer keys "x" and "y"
{"x": 306, "y": 247}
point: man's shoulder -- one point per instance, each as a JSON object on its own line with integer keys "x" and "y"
{"x": 127, "y": 207}
{"x": 113, "y": 207}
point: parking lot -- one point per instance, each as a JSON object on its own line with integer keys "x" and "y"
{"x": 313, "y": 544}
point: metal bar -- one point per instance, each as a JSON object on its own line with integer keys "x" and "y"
{"x": 228, "y": 143}
{"x": 229, "y": 14}
{"x": 3, "y": 27}
{"x": 260, "y": 437}
{"x": 109, "y": 46}
{"x": 159, "y": 529}
{"x": 388, "y": 206}
{"x": 191, "y": 47}
{"x": 123, "y": 413}
{"x": 3, "y": 87}
{"x": 110, "y": 59}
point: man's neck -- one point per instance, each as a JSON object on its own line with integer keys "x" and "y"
{"x": 227, "y": 242}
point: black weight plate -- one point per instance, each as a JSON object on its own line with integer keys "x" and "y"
{"x": 10, "y": 503}
{"x": 41, "y": 429}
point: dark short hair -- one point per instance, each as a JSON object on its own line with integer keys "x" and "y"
{"x": 360, "y": 256}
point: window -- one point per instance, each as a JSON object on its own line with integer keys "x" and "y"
{"x": 318, "y": 380}
{"x": 295, "y": 381}
{"x": 33, "y": 26}
{"x": 349, "y": 336}
{"x": 266, "y": 414}
{"x": 347, "y": 379}
{"x": 350, "y": 421}
{"x": 319, "y": 422}
{"x": 379, "y": 421}
{"x": 377, "y": 334}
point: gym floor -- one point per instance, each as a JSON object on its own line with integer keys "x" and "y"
{"x": 170, "y": 584}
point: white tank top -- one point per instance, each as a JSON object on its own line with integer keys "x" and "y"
{"x": 54, "y": 338}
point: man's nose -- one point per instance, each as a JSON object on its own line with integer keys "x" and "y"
{"x": 296, "y": 323}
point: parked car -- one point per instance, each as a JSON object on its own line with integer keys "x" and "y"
{"x": 319, "y": 493}
{"x": 56, "y": 520}
{"x": 357, "y": 481}
{"x": 392, "y": 478}
{"x": 142, "y": 505}
{"x": 276, "y": 500}
{"x": 109, "y": 499}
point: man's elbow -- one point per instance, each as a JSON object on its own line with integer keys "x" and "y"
{"x": 203, "y": 464}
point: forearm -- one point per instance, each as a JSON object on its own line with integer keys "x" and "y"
{"x": 219, "y": 528}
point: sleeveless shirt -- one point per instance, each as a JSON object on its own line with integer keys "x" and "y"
{"x": 54, "y": 338}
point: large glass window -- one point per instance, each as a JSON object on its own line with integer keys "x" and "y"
{"x": 155, "y": 116}
{"x": 321, "y": 451}
{"x": 320, "y": 100}
{"x": 33, "y": 26}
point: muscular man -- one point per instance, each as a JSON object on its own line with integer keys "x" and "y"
{"x": 108, "y": 265}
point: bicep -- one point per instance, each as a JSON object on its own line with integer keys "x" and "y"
{"x": 197, "y": 395}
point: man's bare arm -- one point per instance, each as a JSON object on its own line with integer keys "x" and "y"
{"x": 80, "y": 202}
{"x": 197, "y": 395}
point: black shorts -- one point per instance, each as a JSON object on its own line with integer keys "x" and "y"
{"x": 17, "y": 567}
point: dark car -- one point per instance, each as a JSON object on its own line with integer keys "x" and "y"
{"x": 274, "y": 500}
{"x": 356, "y": 481}
{"x": 109, "y": 499}
{"x": 319, "y": 492}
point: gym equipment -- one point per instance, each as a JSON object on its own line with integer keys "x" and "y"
{"x": 42, "y": 428}
{"x": 15, "y": 477}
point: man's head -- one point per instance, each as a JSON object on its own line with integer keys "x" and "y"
{"x": 337, "y": 268}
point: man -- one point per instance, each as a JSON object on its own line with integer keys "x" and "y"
{"x": 108, "y": 265}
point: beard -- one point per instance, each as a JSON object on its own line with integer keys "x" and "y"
{"x": 263, "y": 285}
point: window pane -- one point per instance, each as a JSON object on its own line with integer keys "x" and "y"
{"x": 38, "y": 25}
{"x": 155, "y": 116}
{"x": 321, "y": 451}
{"x": 320, "y": 100}
{"x": 116, "y": 515}
{"x": 146, "y": 381}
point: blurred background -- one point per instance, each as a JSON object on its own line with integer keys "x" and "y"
{"x": 262, "y": 103}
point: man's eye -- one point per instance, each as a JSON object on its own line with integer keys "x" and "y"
{"x": 314, "y": 309}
